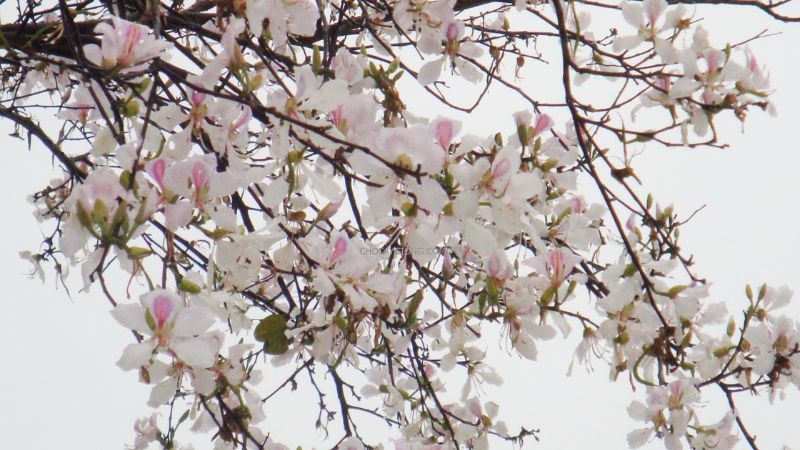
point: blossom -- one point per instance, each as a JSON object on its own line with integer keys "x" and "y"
{"x": 773, "y": 345}
{"x": 196, "y": 179}
{"x": 645, "y": 17}
{"x": 98, "y": 208}
{"x": 526, "y": 133}
{"x": 497, "y": 266}
{"x": 124, "y": 46}
{"x": 284, "y": 17}
{"x": 81, "y": 106}
{"x": 555, "y": 266}
{"x": 720, "y": 436}
{"x": 677, "y": 399}
{"x": 170, "y": 325}
{"x": 146, "y": 429}
{"x": 456, "y": 48}
{"x": 227, "y": 180}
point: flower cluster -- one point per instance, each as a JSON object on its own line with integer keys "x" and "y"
{"x": 264, "y": 178}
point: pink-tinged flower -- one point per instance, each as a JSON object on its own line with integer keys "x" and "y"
{"x": 680, "y": 393}
{"x": 556, "y": 265}
{"x": 677, "y": 399}
{"x": 714, "y": 59}
{"x": 93, "y": 203}
{"x": 457, "y": 50}
{"x": 630, "y": 224}
{"x": 645, "y": 16}
{"x": 497, "y": 266}
{"x": 355, "y": 118}
{"x": 102, "y": 186}
{"x": 146, "y": 429}
{"x": 124, "y": 45}
{"x": 161, "y": 307}
{"x": 162, "y": 316}
{"x": 201, "y": 186}
{"x": 347, "y": 67}
{"x": 768, "y": 344}
{"x": 227, "y": 126}
{"x": 654, "y": 9}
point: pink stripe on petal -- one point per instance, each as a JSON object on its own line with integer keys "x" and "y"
{"x": 162, "y": 308}
{"x": 543, "y": 123}
{"x": 157, "y": 170}
{"x": 502, "y": 168}
{"x": 199, "y": 175}
{"x": 444, "y": 133}
{"x": 339, "y": 249}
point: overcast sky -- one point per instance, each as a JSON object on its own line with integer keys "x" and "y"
{"x": 62, "y": 390}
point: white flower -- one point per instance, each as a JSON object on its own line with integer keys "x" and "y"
{"x": 124, "y": 46}
{"x": 456, "y": 48}
{"x": 170, "y": 325}
{"x": 645, "y": 17}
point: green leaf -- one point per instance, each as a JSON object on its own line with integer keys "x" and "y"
{"x": 272, "y": 332}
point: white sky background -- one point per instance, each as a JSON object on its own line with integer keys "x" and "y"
{"x": 62, "y": 390}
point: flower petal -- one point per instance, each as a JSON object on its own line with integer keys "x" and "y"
{"x": 135, "y": 356}
{"x": 131, "y": 316}
{"x": 192, "y": 321}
